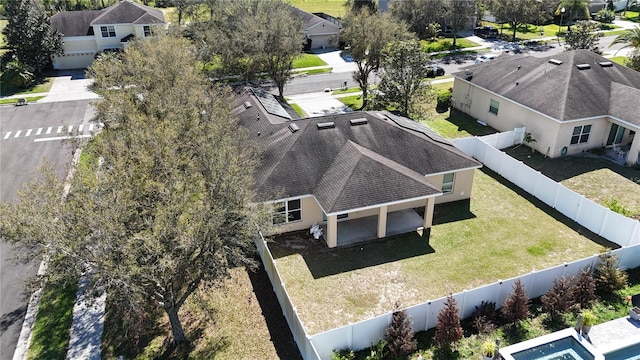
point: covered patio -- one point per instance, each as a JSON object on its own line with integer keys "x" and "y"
{"x": 363, "y": 229}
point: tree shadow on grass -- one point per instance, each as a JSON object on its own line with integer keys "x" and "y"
{"x": 323, "y": 261}
{"x": 466, "y": 123}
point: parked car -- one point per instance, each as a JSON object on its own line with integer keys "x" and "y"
{"x": 434, "y": 70}
{"x": 485, "y": 58}
{"x": 486, "y": 32}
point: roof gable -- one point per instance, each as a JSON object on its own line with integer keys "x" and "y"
{"x": 343, "y": 165}
{"x": 128, "y": 12}
{"x": 561, "y": 91}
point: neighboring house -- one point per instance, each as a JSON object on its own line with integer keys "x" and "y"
{"x": 359, "y": 175}
{"x": 319, "y": 29}
{"x": 570, "y": 102}
{"x": 85, "y": 33}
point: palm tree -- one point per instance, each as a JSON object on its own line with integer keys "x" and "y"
{"x": 630, "y": 38}
{"x": 574, "y": 8}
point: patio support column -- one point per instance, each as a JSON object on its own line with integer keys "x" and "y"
{"x": 382, "y": 221}
{"x": 332, "y": 231}
{"x": 428, "y": 213}
{"x": 632, "y": 156}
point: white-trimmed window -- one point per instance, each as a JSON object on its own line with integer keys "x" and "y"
{"x": 147, "y": 30}
{"x": 494, "y": 106}
{"x": 580, "y": 134}
{"x": 447, "y": 183}
{"x": 287, "y": 211}
{"x": 108, "y": 31}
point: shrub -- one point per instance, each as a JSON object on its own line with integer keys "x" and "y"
{"x": 377, "y": 352}
{"x": 615, "y": 206}
{"x": 589, "y": 318}
{"x": 342, "y": 355}
{"x": 559, "y": 299}
{"x": 605, "y": 16}
{"x": 608, "y": 277}
{"x": 399, "y": 335}
{"x": 484, "y": 317}
{"x": 444, "y": 100}
{"x": 584, "y": 288}
{"x": 516, "y": 305}
{"x": 448, "y": 329}
{"x": 489, "y": 349}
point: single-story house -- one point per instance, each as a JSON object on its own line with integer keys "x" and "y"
{"x": 86, "y": 33}
{"x": 359, "y": 175}
{"x": 569, "y": 103}
{"x": 319, "y": 29}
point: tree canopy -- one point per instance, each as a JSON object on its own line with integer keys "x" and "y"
{"x": 403, "y": 84}
{"x": 168, "y": 206}
{"x": 366, "y": 35}
{"x": 514, "y": 12}
{"x": 246, "y": 37}
{"x": 419, "y": 14}
{"x": 583, "y": 35}
{"x": 29, "y": 35}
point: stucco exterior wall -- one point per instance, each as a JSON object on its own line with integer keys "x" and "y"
{"x": 551, "y": 135}
{"x": 122, "y": 30}
{"x": 462, "y": 183}
{"x": 321, "y": 34}
{"x": 72, "y": 44}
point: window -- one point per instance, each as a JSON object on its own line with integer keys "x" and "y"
{"x": 580, "y": 134}
{"x": 108, "y": 31}
{"x": 287, "y": 211}
{"x": 494, "y": 107}
{"x": 447, "y": 183}
{"x": 147, "y": 30}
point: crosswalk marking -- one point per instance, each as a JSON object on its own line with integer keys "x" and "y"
{"x": 73, "y": 130}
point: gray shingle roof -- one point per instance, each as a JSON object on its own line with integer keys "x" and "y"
{"x": 349, "y": 166}
{"x": 75, "y": 23}
{"x": 128, "y": 12}
{"x": 78, "y": 23}
{"x": 563, "y": 92}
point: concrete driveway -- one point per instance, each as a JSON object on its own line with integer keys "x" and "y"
{"x": 70, "y": 85}
{"x": 319, "y": 104}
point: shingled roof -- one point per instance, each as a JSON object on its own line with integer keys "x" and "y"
{"x": 562, "y": 86}
{"x": 347, "y": 166}
{"x": 78, "y": 23}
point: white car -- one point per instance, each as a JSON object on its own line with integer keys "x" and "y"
{"x": 485, "y": 58}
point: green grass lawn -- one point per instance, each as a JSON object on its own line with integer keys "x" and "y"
{"x": 30, "y": 99}
{"x": 348, "y": 91}
{"x": 619, "y": 59}
{"x": 298, "y": 110}
{"x": 446, "y": 44}
{"x": 3, "y": 23}
{"x": 632, "y": 16}
{"x": 42, "y": 86}
{"x": 50, "y": 335}
{"x": 365, "y": 281}
{"x": 332, "y": 7}
{"x": 454, "y": 124}
{"x": 527, "y": 32}
{"x": 308, "y": 60}
{"x": 353, "y": 102}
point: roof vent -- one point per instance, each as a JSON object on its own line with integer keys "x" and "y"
{"x": 360, "y": 121}
{"x": 555, "y": 61}
{"x": 293, "y": 128}
{"x": 247, "y": 104}
{"x": 326, "y": 125}
{"x": 606, "y": 63}
{"x": 583, "y": 66}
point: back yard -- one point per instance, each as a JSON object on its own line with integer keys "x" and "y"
{"x": 497, "y": 235}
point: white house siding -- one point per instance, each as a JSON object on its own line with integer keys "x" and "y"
{"x": 321, "y": 34}
{"x": 122, "y": 30}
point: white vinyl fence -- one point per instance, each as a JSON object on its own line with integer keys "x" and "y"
{"x": 602, "y": 221}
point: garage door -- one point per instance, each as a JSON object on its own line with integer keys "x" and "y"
{"x": 74, "y": 61}
{"x": 320, "y": 41}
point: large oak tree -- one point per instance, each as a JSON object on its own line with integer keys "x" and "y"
{"x": 366, "y": 35}
{"x": 167, "y": 209}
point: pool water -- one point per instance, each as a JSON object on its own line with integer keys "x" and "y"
{"x": 631, "y": 352}
{"x": 563, "y": 349}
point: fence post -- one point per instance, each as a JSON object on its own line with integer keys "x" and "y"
{"x": 604, "y": 222}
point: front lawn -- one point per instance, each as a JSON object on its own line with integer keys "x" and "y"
{"x": 482, "y": 238}
{"x": 526, "y": 32}
{"x": 308, "y": 60}
{"x": 632, "y": 16}
{"x": 446, "y": 44}
{"x": 42, "y": 85}
{"x": 353, "y": 102}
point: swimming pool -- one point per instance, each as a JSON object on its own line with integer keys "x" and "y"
{"x": 561, "y": 345}
{"x": 631, "y": 352}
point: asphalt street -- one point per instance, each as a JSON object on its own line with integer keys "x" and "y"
{"x": 29, "y": 135}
